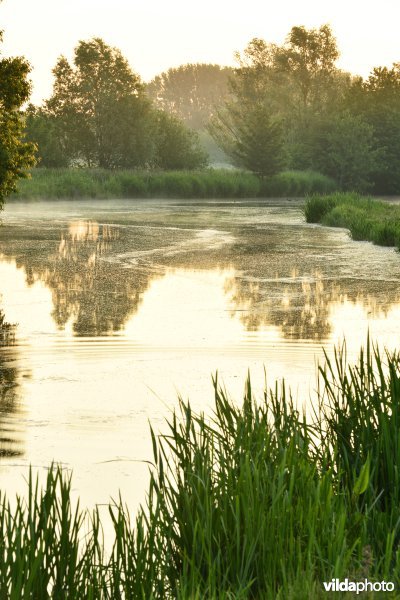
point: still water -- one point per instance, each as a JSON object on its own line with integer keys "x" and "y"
{"x": 121, "y": 306}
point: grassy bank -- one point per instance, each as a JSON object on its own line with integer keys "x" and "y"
{"x": 254, "y": 503}
{"x": 366, "y": 218}
{"x": 210, "y": 183}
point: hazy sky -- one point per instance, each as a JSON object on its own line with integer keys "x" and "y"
{"x": 155, "y": 34}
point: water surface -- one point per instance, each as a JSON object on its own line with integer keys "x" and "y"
{"x": 122, "y": 305}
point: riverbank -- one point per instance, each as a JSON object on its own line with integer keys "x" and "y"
{"x": 255, "y": 503}
{"x": 367, "y": 218}
{"x": 53, "y": 184}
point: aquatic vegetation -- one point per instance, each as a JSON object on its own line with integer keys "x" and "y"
{"x": 208, "y": 183}
{"x": 255, "y": 501}
{"x": 366, "y": 218}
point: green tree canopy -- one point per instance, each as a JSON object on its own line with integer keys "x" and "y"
{"x": 344, "y": 149}
{"x": 309, "y": 56}
{"x": 46, "y": 132}
{"x": 177, "y": 146}
{"x": 277, "y": 93}
{"x": 16, "y": 155}
{"x": 100, "y": 107}
{"x": 252, "y": 137}
{"x": 378, "y": 101}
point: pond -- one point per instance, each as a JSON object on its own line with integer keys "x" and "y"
{"x": 122, "y": 306}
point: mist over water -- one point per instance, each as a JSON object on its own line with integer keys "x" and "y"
{"x": 122, "y": 305}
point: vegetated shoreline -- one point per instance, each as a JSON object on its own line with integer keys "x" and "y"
{"x": 64, "y": 184}
{"x": 253, "y": 503}
{"x": 367, "y": 218}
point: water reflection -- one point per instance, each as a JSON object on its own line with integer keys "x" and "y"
{"x": 303, "y": 310}
{"x": 300, "y": 309}
{"x": 95, "y": 296}
{"x": 118, "y": 306}
{"x": 281, "y": 275}
{"x": 10, "y": 403}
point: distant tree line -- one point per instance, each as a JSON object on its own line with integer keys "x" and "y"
{"x": 285, "y": 107}
{"x": 290, "y": 107}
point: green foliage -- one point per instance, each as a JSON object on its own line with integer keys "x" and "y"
{"x": 331, "y": 122}
{"x": 377, "y": 100}
{"x": 343, "y": 148}
{"x": 209, "y": 183}
{"x": 367, "y": 219}
{"x": 102, "y": 115}
{"x": 45, "y": 131}
{"x": 101, "y": 183}
{"x": 297, "y": 184}
{"x": 259, "y": 143}
{"x": 277, "y": 93}
{"x": 16, "y": 155}
{"x": 309, "y": 57}
{"x": 252, "y": 502}
{"x": 177, "y": 146}
{"x": 363, "y": 429}
{"x": 252, "y": 137}
{"x": 40, "y": 546}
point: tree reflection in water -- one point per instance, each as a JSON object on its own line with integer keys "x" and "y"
{"x": 96, "y": 295}
{"x": 301, "y": 309}
{"x": 98, "y": 274}
{"x": 10, "y": 407}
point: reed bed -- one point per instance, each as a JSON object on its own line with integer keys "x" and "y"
{"x": 297, "y": 184}
{"x": 366, "y": 218}
{"x": 252, "y": 502}
{"x": 77, "y": 183}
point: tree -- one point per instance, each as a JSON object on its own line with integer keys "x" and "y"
{"x": 100, "y": 107}
{"x": 309, "y": 56}
{"x": 16, "y": 155}
{"x": 252, "y": 137}
{"x": 44, "y": 131}
{"x": 344, "y": 149}
{"x": 377, "y": 100}
{"x": 191, "y": 92}
{"x": 276, "y": 94}
{"x": 177, "y": 146}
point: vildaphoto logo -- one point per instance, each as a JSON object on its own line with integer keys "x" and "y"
{"x": 335, "y": 585}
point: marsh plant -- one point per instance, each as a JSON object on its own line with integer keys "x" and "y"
{"x": 54, "y": 184}
{"x": 366, "y": 218}
{"x": 253, "y": 501}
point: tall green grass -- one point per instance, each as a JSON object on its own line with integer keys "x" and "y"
{"x": 366, "y": 218}
{"x": 297, "y": 184}
{"x": 255, "y": 502}
{"x": 209, "y": 183}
